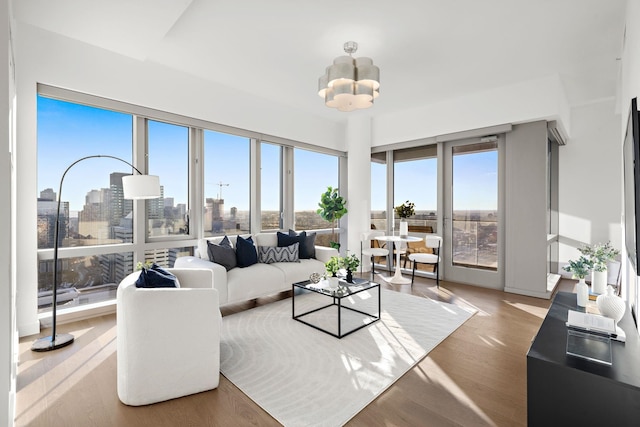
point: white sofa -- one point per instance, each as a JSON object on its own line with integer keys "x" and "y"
{"x": 258, "y": 280}
{"x": 168, "y": 339}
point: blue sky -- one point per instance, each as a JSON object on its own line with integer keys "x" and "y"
{"x": 67, "y": 132}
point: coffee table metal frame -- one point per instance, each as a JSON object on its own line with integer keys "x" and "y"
{"x": 348, "y": 290}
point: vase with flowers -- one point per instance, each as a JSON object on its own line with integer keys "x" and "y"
{"x": 579, "y": 269}
{"x": 599, "y": 255}
{"x": 404, "y": 211}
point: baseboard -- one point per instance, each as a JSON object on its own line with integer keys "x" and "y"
{"x": 529, "y": 293}
{"x": 74, "y": 314}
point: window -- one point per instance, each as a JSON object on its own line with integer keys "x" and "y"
{"x": 204, "y": 172}
{"x": 168, "y": 158}
{"x": 314, "y": 172}
{"x": 271, "y": 186}
{"x": 226, "y": 184}
{"x": 475, "y": 206}
{"x": 416, "y": 179}
{"x": 93, "y": 211}
{"x": 92, "y": 203}
{"x": 379, "y": 191}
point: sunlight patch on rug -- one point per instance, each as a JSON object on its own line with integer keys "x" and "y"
{"x": 304, "y": 377}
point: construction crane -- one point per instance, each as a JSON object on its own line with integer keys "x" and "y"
{"x": 220, "y": 185}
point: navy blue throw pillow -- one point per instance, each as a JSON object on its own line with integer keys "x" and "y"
{"x": 156, "y": 277}
{"x": 246, "y": 254}
{"x": 307, "y": 243}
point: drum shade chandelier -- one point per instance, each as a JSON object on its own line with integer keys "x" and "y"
{"x": 350, "y": 83}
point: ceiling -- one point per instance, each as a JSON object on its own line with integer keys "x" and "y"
{"x": 427, "y": 50}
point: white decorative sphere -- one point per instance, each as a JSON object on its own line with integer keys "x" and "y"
{"x": 611, "y": 305}
{"x": 315, "y": 277}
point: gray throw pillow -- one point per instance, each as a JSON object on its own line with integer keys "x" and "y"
{"x": 222, "y": 254}
{"x": 307, "y": 243}
{"x": 270, "y": 254}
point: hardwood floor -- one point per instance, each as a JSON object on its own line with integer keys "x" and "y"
{"x": 476, "y": 377}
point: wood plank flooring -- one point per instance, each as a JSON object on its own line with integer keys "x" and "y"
{"x": 476, "y": 377}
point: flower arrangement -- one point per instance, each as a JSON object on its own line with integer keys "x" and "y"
{"x": 406, "y": 209}
{"x": 579, "y": 268}
{"x": 599, "y": 254}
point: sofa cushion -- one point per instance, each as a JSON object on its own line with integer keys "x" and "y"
{"x": 270, "y": 254}
{"x": 222, "y": 254}
{"x": 156, "y": 277}
{"x": 307, "y": 244}
{"x": 246, "y": 254}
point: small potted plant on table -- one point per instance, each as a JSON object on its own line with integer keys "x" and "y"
{"x": 404, "y": 211}
{"x": 580, "y": 268}
{"x": 350, "y": 263}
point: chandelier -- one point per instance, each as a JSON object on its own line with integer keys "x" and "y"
{"x": 350, "y": 83}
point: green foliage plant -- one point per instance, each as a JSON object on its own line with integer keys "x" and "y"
{"x": 333, "y": 265}
{"x": 406, "y": 209}
{"x": 332, "y": 207}
{"x": 351, "y": 262}
{"x": 599, "y": 254}
{"x": 579, "y": 268}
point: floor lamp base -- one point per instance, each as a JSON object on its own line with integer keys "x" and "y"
{"x": 48, "y": 344}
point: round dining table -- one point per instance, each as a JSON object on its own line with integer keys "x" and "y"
{"x": 397, "y": 278}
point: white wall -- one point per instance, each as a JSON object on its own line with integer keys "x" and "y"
{"x": 590, "y": 181}
{"x": 541, "y": 99}
{"x": 44, "y": 57}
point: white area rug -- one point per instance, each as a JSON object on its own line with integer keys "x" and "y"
{"x": 304, "y": 377}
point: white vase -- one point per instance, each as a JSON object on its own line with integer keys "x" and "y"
{"x": 404, "y": 228}
{"x": 611, "y": 305}
{"x": 599, "y": 282}
{"x": 333, "y": 282}
{"x": 582, "y": 290}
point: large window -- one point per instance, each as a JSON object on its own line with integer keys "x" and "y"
{"x": 475, "y": 206}
{"x": 226, "y": 184}
{"x": 169, "y": 159}
{"x": 208, "y": 179}
{"x": 314, "y": 172}
{"x": 93, "y": 211}
{"x": 416, "y": 180}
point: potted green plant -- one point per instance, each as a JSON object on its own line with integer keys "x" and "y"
{"x": 579, "y": 269}
{"x": 332, "y": 208}
{"x": 333, "y": 265}
{"x": 404, "y": 211}
{"x": 599, "y": 254}
{"x": 350, "y": 263}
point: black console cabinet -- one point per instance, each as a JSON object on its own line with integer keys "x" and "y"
{"x": 568, "y": 391}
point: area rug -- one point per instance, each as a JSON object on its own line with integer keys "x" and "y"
{"x": 304, "y": 377}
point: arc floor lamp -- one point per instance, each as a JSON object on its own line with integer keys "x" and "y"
{"x": 134, "y": 187}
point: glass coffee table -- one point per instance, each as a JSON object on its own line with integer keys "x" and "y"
{"x": 337, "y": 299}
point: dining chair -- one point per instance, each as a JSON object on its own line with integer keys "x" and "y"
{"x": 369, "y": 251}
{"x": 434, "y": 243}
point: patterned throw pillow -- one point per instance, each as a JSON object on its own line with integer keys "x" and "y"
{"x": 270, "y": 254}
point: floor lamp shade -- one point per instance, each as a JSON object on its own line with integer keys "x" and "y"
{"x": 141, "y": 186}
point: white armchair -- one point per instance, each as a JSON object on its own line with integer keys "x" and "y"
{"x": 168, "y": 339}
